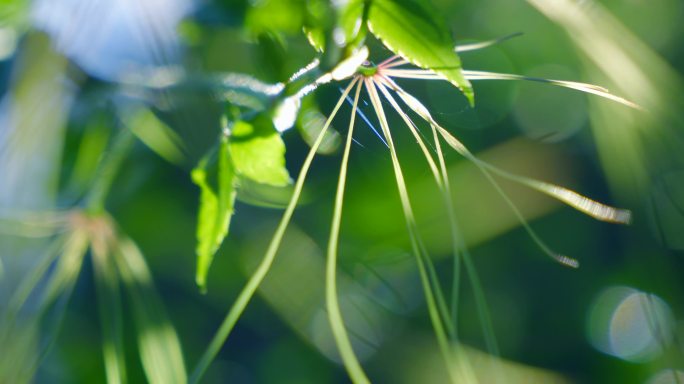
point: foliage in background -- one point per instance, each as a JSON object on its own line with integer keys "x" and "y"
{"x": 202, "y": 108}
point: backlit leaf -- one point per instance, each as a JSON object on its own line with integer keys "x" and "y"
{"x": 413, "y": 30}
{"x": 215, "y": 176}
{"x": 258, "y": 152}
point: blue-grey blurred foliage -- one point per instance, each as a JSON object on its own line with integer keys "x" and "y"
{"x": 71, "y": 76}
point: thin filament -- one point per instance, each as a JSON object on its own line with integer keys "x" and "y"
{"x": 263, "y": 268}
{"x": 344, "y": 346}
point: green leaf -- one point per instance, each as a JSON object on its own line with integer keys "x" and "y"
{"x": 415, "y": 31}
{"x": 276, "y": 16}
{"x": 350, "y": 19}
{"x": 216, "y": 179}
{"x": 346, "y": 30}
{"x": 258, "y": 152}
{"x": 316, "y": 37}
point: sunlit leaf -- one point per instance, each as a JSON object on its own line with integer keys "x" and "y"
{"x": 215, "y": 176}
{"x": 414, "y": 31}
{"x": 160, "y": 350}
{"x": 316, "y": 37}
{"x": 350, "y": 20}
{"x": 346, "y": 31}
{"x": 255, "y": 280}
{"x": 258, "y": 152}
{"x": 276, "y": 16}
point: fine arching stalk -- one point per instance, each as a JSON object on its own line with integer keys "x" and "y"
{"x": 442, "y": 180}
{"x": 459, "y": 247}
{"x": 434, "y": 279}
{"x": 433, "y": 309}
{"x": 420, "y": 109}
{"x": 344, "y": 346}
{"x": 263, "y": 268}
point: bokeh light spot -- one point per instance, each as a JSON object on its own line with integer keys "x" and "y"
{"x": 667, "y": 376}
{"x": 630, "y": 324}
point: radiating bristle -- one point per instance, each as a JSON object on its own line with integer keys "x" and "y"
{"x": 485, "y": 44}
{"x": 424, "y": 74}
{"x": 567, "y": 261}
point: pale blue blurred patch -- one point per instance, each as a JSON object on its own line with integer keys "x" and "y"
{"x": 111, "y": 38}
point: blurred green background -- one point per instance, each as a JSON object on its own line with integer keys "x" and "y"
{"x": 62, "y": 66}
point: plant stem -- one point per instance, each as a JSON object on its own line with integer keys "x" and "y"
{"x": 255, "y": 280}
{"x": 461, "y": 252}
{"x": 416, "y": 243}
{"x": 108, "y": 169}
{"x": 434, "y": 278}
{"x": 351, "y": 363}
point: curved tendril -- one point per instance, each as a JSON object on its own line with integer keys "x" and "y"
{"x": 485, "y": 169}
{"x": 425, "y": 74}
{"x": 420, "y": 109}
{"x": 584, "y": 204}
{"x": 412, "y": 128}
{"x": 442, "y": 179}
{"x": 460, "y": 248}
{"x": 416, "y": 244}
{"x": 430, "y": 266}
{"x": 344, "y": 346}
{"x": 485, "y": 44}
{"x": 263, "y": 268}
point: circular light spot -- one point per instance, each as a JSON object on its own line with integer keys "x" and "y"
{"x": 630, "y": 324}
{"x": 667, "y": 376}
{"x": 550, "y": 113}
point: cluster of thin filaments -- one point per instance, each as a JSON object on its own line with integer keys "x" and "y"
{"x": 379, "y": 80}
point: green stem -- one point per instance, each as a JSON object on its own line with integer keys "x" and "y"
{"x": 432, "y": 274}
{"x": 453, "y": 225}
{"x": 416, "y": 244}
{"x": 351, "y": 363}
{"x": 461, "y": 252}
{"x": 108, "y": 169}
{"x": 248, "y": 291}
